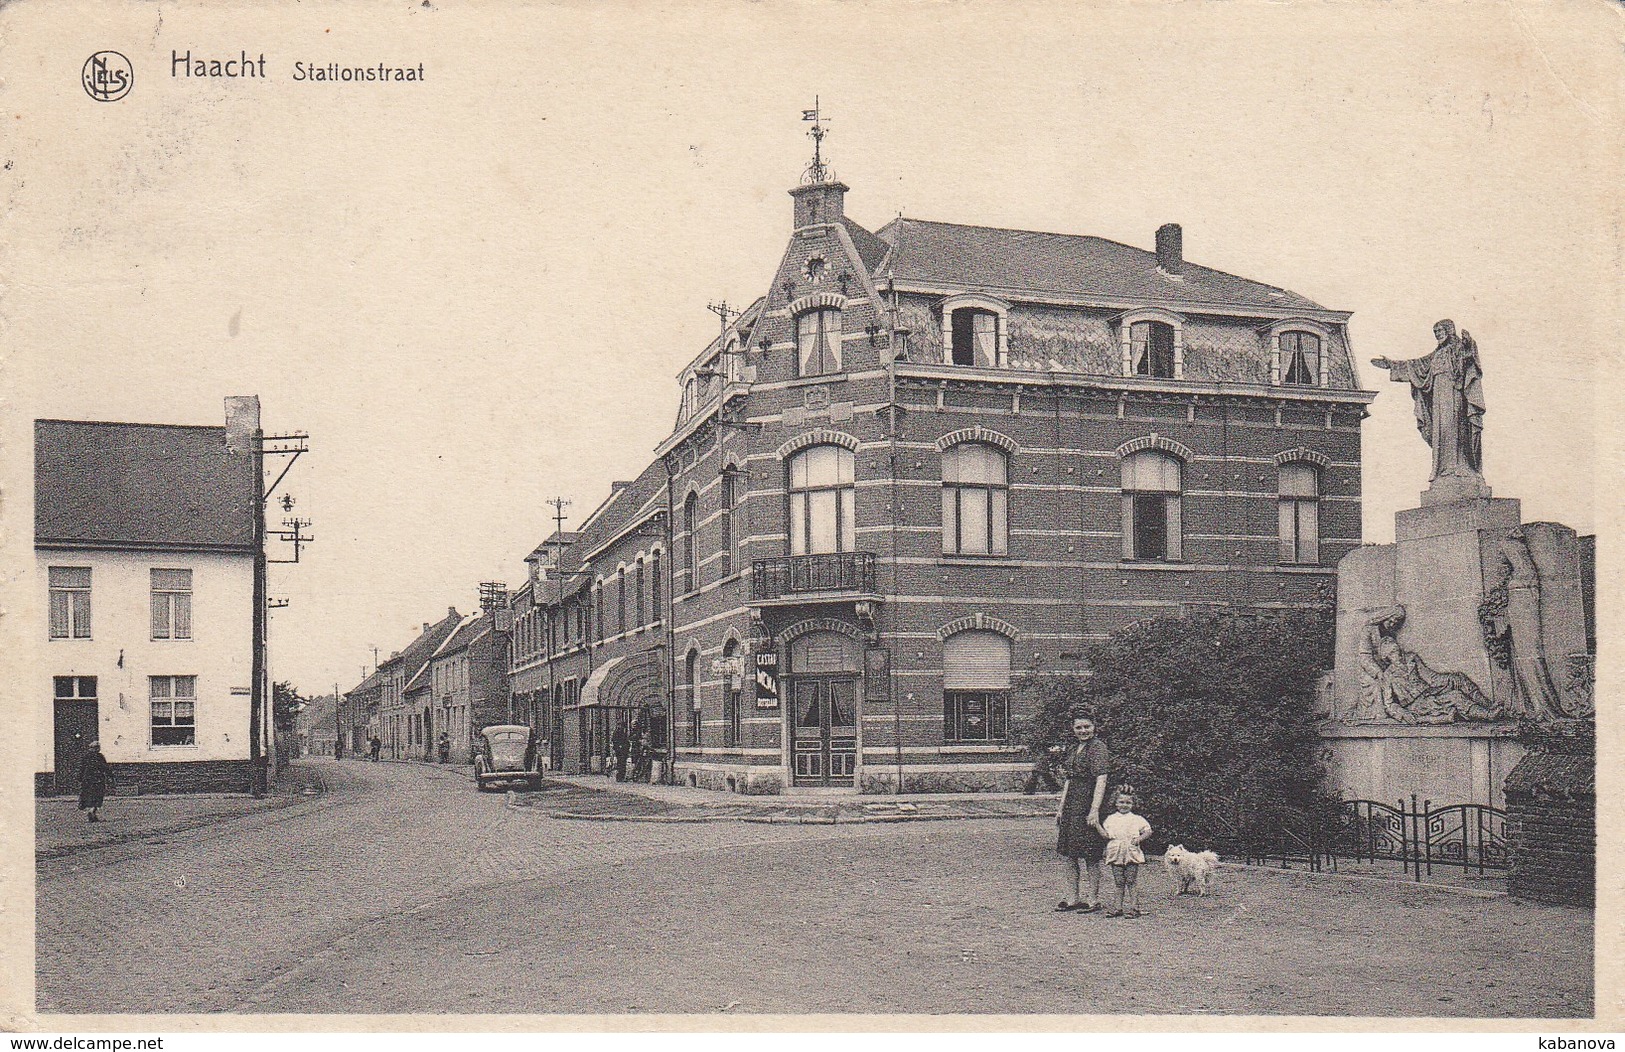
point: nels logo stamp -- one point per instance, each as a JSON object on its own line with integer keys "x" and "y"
{"x": 107, "y": 76}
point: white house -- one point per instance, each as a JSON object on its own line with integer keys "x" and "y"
{"x": 147, "y": 541}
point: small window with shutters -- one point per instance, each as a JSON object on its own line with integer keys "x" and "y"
{"x": 976, "y": 688}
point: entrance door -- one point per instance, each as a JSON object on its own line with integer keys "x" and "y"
{"x": 825, "y": 731}
{"x": 76, "y": 718}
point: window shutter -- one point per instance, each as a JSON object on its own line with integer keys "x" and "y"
{"x": 1176, "y": 547}
{"x": 1128, "y": 525}
{"x": 976, "y": 660}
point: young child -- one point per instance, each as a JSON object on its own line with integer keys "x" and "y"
{"x": 1125, "y": 830}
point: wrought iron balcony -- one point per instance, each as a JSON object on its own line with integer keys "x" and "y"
{"x": 803, "y": 574}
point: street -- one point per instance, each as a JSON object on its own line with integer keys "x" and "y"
{"x": 399, "y": 889}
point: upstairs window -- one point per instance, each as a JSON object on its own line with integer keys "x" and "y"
{"x": 620, "y": 599}
{"x": 818, "y": 342}
{"x": 70, "y": 601}
{"x": 172, "y": 604}
{"x": 657, "y": 588}
{"x": 729, "y": 475}
{"x": 822, "y": 501}
{"x": 975, "y": 500}
{"x": 1151, "y": 348}
{"x": 1151, "y": 513}
{"x": 691, "y": 561}
{"x": 637, "y": 593}
{"x": 1300, "y": 358}
{"x": 1300, "y": 513}
{"x": 975, "y": 337}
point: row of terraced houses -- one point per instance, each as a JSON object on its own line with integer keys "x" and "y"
{"x": 927, "y": 461}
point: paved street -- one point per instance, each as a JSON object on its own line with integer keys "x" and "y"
{"x": 399, "y": 889}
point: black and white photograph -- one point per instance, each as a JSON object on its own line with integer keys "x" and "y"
{"x": 806, "y": 515}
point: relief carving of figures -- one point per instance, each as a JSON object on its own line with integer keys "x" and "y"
{"x": 1512, "y": 620}
{"x": 1447, "y": 388}
{"x": 1396, "y": 684}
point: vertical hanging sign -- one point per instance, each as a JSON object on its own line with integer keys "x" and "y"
{"x": 767, "y": 679}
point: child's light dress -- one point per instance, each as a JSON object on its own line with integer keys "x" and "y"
{"x": 1120, "y": 828}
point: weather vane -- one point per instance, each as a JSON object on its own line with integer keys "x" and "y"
{"x": 816, "y": 172}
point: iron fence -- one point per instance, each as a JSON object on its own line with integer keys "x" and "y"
{"x": 1417, "y": 835}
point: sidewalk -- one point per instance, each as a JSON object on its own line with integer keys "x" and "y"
{"x": 640, "y": 802}
{"x": 61, "y": 829}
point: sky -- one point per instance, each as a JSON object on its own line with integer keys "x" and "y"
{"x": 474, "y": 292}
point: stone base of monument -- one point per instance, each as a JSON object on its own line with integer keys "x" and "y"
{"x": 1457, "y": 763}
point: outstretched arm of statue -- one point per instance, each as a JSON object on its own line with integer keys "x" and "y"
{"x": 1382, "y": 363}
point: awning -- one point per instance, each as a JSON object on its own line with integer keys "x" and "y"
{"x": 631, "y": 681}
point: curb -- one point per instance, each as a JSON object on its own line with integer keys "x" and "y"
{"x": 810, "y": 820}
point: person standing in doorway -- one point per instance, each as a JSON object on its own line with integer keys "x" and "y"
{"x": 621, "y": 744}
{"x": 95, "y": 778}
{"x": 444, "y": 746}
{"x": 375, "y": 746}
{"x": 1084, "y": 764}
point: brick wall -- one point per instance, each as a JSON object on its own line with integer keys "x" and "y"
{"x": 1551, "y": 823}
{"x": 139, "y": 779}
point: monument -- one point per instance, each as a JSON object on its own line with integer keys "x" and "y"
{"x": 1470, "y": 626}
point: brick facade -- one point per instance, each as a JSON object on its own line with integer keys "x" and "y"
{"x": 872, "y": 622}
{"x": 161, "y": 778}
{"x": 1551, "y": 823}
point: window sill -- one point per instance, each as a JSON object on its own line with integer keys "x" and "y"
{"x": 949, "y": 748}
{"x": 1156, "y": 564}
{"x": 821, "y": 378}
{"x": 978, "y": 560}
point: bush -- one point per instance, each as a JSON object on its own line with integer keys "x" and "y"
{"x": 1210, "y": 718}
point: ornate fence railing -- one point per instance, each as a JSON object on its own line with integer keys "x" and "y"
{"x": 1418, "y": 835}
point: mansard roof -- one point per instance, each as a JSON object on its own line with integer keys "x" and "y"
{"x": 955, "y": 255}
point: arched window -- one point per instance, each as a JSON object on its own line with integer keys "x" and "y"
{"x": 731, "y": 680}
{"x": 975, "y": 337}
{"x": 975, "y": 500}
{"x": 657, "y": 588}
{"x": 598, "y": 595}
{"x": 729, "y": 474}
{"x": 818, "y": 341}
{"x": 1300, "y": 513}
{"x": 1151, "y": 526}
{"x": 1151, "y": 345}
{"x": 1300, "y": 358}
{"x": 975, "y": 687}
{"x": 822, "y": 501}
{"x": 620, "y": 599}
{"x": 691, "y": 570}
{"x": 691, "y": 678}
{"x": 637, "y": 598}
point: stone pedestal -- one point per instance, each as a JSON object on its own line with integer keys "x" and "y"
{"x": 1459, "y": 763}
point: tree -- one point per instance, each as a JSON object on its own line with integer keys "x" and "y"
{"x": 286, "y": 704}
{"x": 1211, "y": 718}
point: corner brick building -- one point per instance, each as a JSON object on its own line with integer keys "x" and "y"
{"x": 928, "y": 460}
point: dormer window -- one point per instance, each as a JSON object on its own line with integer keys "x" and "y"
{"x": 1152, "y": 346}
{"x": 1300, "y": 356}
{"x": 974, "y": 330}
{"x": 818, "y": 342}
{"x": 1153, "y": 343}
{"x": 975, "y": 337}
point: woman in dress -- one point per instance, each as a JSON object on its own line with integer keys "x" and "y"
{"x": 94, "y": 778}
{"x": 1084, "y": 764}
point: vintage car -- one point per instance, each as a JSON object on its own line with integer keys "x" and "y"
{"x": 506, "y": 753}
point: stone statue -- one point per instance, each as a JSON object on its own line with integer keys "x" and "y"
{"x": 1449, "y": 395}
{"x": 1520, "y": 627}
{"x": 1396, "y": 684}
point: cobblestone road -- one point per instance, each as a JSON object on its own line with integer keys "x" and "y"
{"x": 402, "y": 890}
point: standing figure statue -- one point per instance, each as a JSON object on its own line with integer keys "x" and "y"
{"x": 1448, "y": 391}
{"x": 1536, "y": 693}
{"x": 1398, "y": 685}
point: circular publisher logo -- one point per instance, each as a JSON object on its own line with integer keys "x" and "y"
{"x": 107, "y": 76}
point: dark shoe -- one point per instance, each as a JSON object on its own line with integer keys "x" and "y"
{"x": 1068, "y": 907}
{"x": 1089, "y": 908}
{"x": 1131, "y": 913}
{"x": 1114, "y": 913}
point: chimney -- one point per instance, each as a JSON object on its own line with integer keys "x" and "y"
{"x": 426, "y": 627}
{"x": 242, "y": 420}
{"x": 451, "y": 611}
{"x": 819, "y": 203}
{"x": 1170, "y": 248}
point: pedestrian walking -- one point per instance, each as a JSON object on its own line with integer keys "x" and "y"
{"x": 1085, "y": 764}
{"x": 1125, "y": 831}
{"x": 95, "y": 778}
{"x": 376, "y": 747}
{"x": 445, "y": 747}
{"x": 621, "y": 744}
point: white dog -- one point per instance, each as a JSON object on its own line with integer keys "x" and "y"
{"x": 1188, "y": 869}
